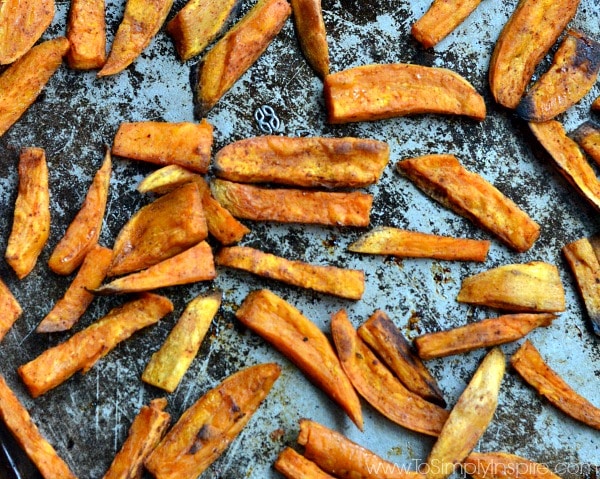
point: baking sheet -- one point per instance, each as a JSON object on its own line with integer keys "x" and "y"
{"x": 87, "y": 418}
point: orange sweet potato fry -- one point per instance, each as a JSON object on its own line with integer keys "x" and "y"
{"x": 500, "y": 465}
{"x": 86, "y": 31}
{"x": 10, "y": 307}
{"x": 299, "y": 339}
{"x": 295, "y": 466}
{"x": 596, "y": 104}
{"x": 377, "y": 384}
{"x": 587, "y": 135}
{"x": 166, "y": 179}
{"x": 312, "y": 35}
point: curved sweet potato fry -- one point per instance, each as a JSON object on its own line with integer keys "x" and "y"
{"x": 295, "y": 466}
{"x": 587, "y": 135}
{"x": 10, "y": 307}
{"x": 312, "y": 35}
{"x": 500, "y": 465}
{"x": 86, "y": 31}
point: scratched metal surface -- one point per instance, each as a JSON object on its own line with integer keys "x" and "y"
{"x": 87, "y": 418}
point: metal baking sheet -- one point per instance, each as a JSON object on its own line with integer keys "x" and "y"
{"x": 87, "y": 418}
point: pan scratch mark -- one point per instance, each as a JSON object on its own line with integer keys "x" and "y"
{"x": 97, "y": 408}
{"x": 26, "y": 336}
{"x": 117, "y": 416}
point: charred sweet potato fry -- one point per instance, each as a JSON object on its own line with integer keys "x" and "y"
{"x": 482, "y": 334}
{"x": 83, "y": 232}
{"x": 468, "y": 194}
{"x": 10, "y": 307}
{"x": 412, "y": 244}
{"x": 67, "y": 311}
{"x": 146, "y": 431}
{"x": 31, "y": 224}
{"x": 527, "y": 36}
{"x": 385, "y": 339}
{"x": 295, "y": 466}
{"x": 308, "y": 17}
{"x": 572, "y": 75}
{"x": 207, "y": 428}
{"x": 587, "y": 135}
{"x": 293, "y": 206}
{"x": 533, "y": 287}
{"x": 27, "y": 435}
{"x": 237, "y": 51}
{"x": 24, "y": 80}
{"x": 530, "y": 365}
{"x": 309, "y": 162}
{"x": 377, "y": 384}
{"x": 86, "y": 31}
{"x": 345, "y": 283}
{"x": 81, "y": 351}
{"x": 377, "y": 92}
{"x": 185, "y": 144}
{"x": 279, "y": 323}
{"x": 500, "y": 465}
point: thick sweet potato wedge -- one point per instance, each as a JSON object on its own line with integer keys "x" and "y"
{"x": 412, "y": 244}
{"x": 24, "y": 80}
{"x": 572, "y": 75}
{"x": 293, "y": 206}
{"x": 500, "y": 465}
{"x": 86, "y": 31}
{"x": 587, "y": 135}
{"x": 83, "y": 232}
{"x": 295, "y": 466}
{"x": 31, "y": 224}
{"x": 10, "y": 307}
{"x": 22, "y": 23}
{"x": 469, "y": 418}
{"x": 377, "y": 92}
{"x": 527, "y": 36}
{"x": 482, "y": 334}
{"x": 282, "y": 325}
{"x": 312, "y": 35}
{"x": 309, "y": 162}
{"x": 530, "y": 365}
{"x": 185, "y": 144}
{"x": 237, "y": 51}
{"x": 468, "y": 194}
{"x": 345, "y": 283}
{"x": 207, "y": 428}
{"x": 141, "y": 21}
{"x": 26, "y": 433}
{"x": 81, "y": 351}
{"x": 533, "y": 287}
{"x": 377, "y": 384}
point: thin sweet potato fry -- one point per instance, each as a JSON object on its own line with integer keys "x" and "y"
{"x": 500, "y": 465}
{"x": 385, "y": 339}
{"x": 527, "y": 36}
{"x": 468, "y": 194}
{"x": 293, "y": 206}
{"x": 146, "y": 431}
{"x": 166, "y": 179}
{"x": 86, "y": 31}
{"x": 207, "y": 428}
{"x": 377, "y": 92}
{"x": 10, "y": 307}
{"x": 81, "y": 351}
{"x": 31, "y": 224}
{"x": 83, "y": 232}
{"x": 282, "y": 325}
{"x": 530, "y": 365}
{"x": 587, "y": 135}
{"x": 412, "y": 244}
{"x": 168, "y": 365}
{"x": 26, "y": 433}
{"x": 308, "y": 162}
{"x": 345, "y": 283}
{"x": 308, "y": 17}
{"x": 295, "y": 466}
{"x": 185, "y": 144}
{"x": 377, "y": 384}
{"x": 482, "y": 334}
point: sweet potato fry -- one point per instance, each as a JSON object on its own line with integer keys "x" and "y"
{"x": 160, "y": 230}
{"x": 385, "y": 339}
{"x": 67, "y": 311}
{"x": 86, "y": 31}
{"x": 141, "y": 21}
{"x": 279, "y": 323}
{"x": 377, "y": 92}
{"x": 10, "y": 307}
{"x": 572, "y": 75}
{"x": 83, "y": 232}
{"x": 377, "y": 384}
{"x": 31, "y": 224}
{"x": 309, "y": 162}
{"x": 81, "y": 351}
{"x": 533, "y": 287}
{"x": 469, "y": 418}
{"x": 293, "y": 206}
{"x": 312, "y": 35}
{"x": 168, "y": 365}
{"x": 596, "y": 104}
{"x": 527, "y": 36}
{"x": 166, "y": 179}
{"x": 530, "y": 365}
{"x": 500, "y": 465}
{"x": 587, "y": 135}
{"x": 185, "y": 144}
{"x": 24, "y": 80}
{"x": 295, "y": 466}
{"x": 482, "y": 334}
{"x": 26, "y": 433}
{"x": 468, "y": 194}
{"x": 412, "y": 244}
{"x": 207, "y": 428}
{"x": 237, "y": 51}
{"x": 345, "y": 283}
